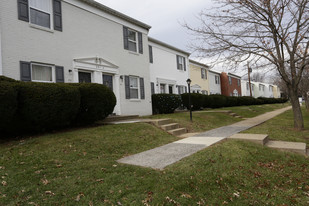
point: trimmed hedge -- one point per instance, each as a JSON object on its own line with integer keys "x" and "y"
{"x": 6, "y": 79}
{"x": 97, "y": 102}
{"x": 29, "y": 107}
{"x": 165, "y": 103}
{"x": 197, "y": 100}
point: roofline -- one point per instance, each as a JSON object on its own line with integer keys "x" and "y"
{"x": 167, "y": 45}
{"x": 198, "y": 63}
{"x": 215, "y": 72}
{"x": 234, "y": 75}
{"x": 116, "y": 13}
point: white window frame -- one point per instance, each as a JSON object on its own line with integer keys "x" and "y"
{"x": 132, "y": 41}
{"x": 44, "y": 65}
{"x": 217, "y": 79}
{"x": 230, "y": 80}
{"x": 181, "y": 62}
{"x": 164, "y": 85}
{"x": 138, "y": 87}
{"x": 50, "y": 14}
{"x": 204, "y": 73}
{"x": 247, "y": 85}
{"x": 238, "y": 82}
{"x": 182, "y": 89}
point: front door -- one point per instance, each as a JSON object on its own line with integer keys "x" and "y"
{"x": 108, "y": 81}
{"x": 84, "y": 77}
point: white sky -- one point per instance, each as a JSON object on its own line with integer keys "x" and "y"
{"x": 164, "y": 16}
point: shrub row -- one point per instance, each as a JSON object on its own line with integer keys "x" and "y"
{"x": 198, "y": 101}
{"x": 37, "y": 107}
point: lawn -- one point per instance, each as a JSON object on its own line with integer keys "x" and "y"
{"x": 281, "y": 128}
{"x": 210, "y": 119}
{"x": 79, "y": 168}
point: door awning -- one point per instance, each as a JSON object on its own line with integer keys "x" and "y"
{"x": 94, "y": 63}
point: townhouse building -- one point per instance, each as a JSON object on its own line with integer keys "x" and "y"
{"x": 77, "y": 41}
{"x": 199, "y": 76}
{"x": 169, "y": 68}
{"x": 245, "y": 89}
{"x": 230, "y": 84}
{"x": 214, "y": 82}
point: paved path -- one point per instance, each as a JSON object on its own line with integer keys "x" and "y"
{"x": 160, "y": 157}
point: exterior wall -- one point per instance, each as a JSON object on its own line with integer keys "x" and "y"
{"x": 268, "y": 91}
{"x": 255, "y": 91}
{"x": 213, "y": 87}
{"x": 196, "y": 78}
{"x": 229, "y": 89}
{"x": 244, "y": 90}
{"x": 86, "y": 33}
{"x": 164, "y": 70}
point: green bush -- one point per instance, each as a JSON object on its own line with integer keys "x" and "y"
{"x": 44, "y": 106}
{"x": 232, "y": 101}
{"x": 6, "y": 79}
{"x": 246, "y": 100}
{"x": 218, "y": 101}
{"x": 197, "y": 100}
{"x": 8, "y": 104}
{"x": 97, "y": 102}
{"x": 165, "y": 103}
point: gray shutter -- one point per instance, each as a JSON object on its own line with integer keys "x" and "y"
{"x": 184, "y": 64}
{"x": 25, "y": 71}
{"x": 177, "y": 63}
{"x": 59, "y": 74}
{"x": 140, "y": 42}
{"x": 57, "y": 15}
{"x": 202, "y": 73}
{"x": 126, "y": 37}
{"x": 23, "y": 10}
{"x": 186, "y": 90}
{"x": 142, "y": 87}
{"x": 178, "y": 89}
{"x": 127, "y": 86}
{"x": 150, "y": 54}
{"x": 152, "y": 88}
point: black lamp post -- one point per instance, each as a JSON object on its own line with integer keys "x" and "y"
{"x": 189, "y": 82}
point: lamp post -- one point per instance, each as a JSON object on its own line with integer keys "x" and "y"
{"x": 189, "y": 82}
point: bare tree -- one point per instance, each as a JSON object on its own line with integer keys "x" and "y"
{"x": 272, "y": 33}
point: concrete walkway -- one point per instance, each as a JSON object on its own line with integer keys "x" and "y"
{"x": 160, "y": 157}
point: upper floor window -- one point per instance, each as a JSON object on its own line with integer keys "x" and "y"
{"x": 133, "y": 40}
{"x": 43, "y": 13}
{"x": 40, "y": 12}
{"x": 238, "y": 82}
{"x": 181, "y": 62}
{"x": 217, "y": 79}
{"x": 230, "y": 80}
{"x": 203, "y": 73}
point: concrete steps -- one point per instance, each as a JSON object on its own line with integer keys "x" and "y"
{"x": 169, "y": 126}
{"x": 262, "y": 139}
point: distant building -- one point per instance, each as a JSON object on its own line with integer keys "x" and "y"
{"x": 230, "y": 84}
{"x": 199, "y": 76}
{"x": 214, "y": 82}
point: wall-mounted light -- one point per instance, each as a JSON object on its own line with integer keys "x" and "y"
{"x": 121, "y": 77}
{"x": 70, "y": 70}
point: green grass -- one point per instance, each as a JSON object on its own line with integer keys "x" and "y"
{"x": 281, "y": 128}
{"x": 206, "y": 120}
{"x": 79, "y": 168}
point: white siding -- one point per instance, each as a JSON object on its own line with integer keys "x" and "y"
{"x": 213, "y": 87}
{"x": 87, "y": 32}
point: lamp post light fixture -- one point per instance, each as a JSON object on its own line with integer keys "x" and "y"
{"x": 190, "y": 106}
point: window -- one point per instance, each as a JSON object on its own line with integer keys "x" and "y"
{"x": 230, "y": 80}
{"x": 170, "y": 89}
{"x": 182, "y": 89}
{"x": 132, "y": 40}
{"x": 152, "y": 88}
{"x": 162, "y": 88}
{"x": 150, "y": 54}
{"x": 41, "y": 73}
{"x": 217, "y": 79}
{"x": 247, "y": 85}
{"x": 238, "y": 82}
{"x": 134, "y": 87}
{"x": 181, "y": 63}
{"x": 205, "y": 92}
{"x": 203, "y": 73}
{"x": 40, "y": 12}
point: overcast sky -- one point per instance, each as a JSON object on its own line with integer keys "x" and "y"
{"x": 164, "y": 16}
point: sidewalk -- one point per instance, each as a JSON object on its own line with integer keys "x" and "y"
{"x": 160, "y": 157}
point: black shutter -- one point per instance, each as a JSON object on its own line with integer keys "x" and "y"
{"x": 152, "y": 88}
{"x": 57, "y": 15}
{"x": 126, "y": 38}
{"x": 25, "y": 71}
{"x": 127, "y": 86}
{"x": 184, "y": 64}
{"x": 202, "y": 73}
{"x": 186, "y": 91}
{"x": 142, "y": 87}
{"x": 140, "y": 42}
{"x": 23, "y": 10}
{"x": 59, "y": 74}
{"x": 177, "y": 62}
{"x": 150, "y": 54}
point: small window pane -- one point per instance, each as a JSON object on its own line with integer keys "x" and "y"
{"x": 132, "y": 46}
{"x": 39, "y": 18}
{"x": 42, "y": 5}
{"x": 132, "y": 35}
{"x": 41, "y": 73}
{"x": 133, "y": 82}
{"x": 134, "y": 93}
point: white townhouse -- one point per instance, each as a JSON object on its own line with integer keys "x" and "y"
{"x": 245, "y": 89}
{"x": 214, "y": 82}
{"x": 259, "y": 89}
{"x": 77, "y": 41}
{"x": 169, "y": 68}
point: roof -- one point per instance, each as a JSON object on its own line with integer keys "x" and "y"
{"x": 198, "y": 63}
{"x": 116, "y": 13}
{"x": 168, "y": 46}
{"x": 215, "y": 72}
{"x": 234, "y": 75}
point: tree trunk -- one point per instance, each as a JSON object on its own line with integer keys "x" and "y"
{"x": 298, "y": 116}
